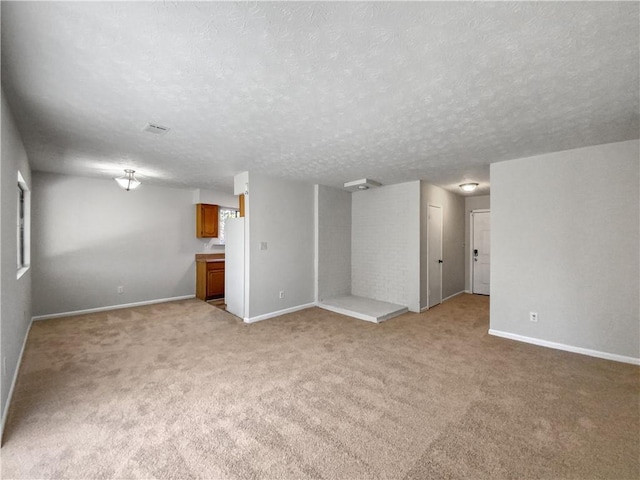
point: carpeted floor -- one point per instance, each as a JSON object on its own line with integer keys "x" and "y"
{"x": 185, "y": 390}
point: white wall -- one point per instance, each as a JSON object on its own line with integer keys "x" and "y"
{"x": 482, "y": 202}
{"x": 452, "y": 240}
{"x": 334, "y": 242}
{"x": 280, "y": 213}
{"x": 15, "y": 294}
{"x": 385, "y": 244}
{"x": 215, "y": 197}
{"x": 91, "y": 236}
{"x": 565, "y": 244}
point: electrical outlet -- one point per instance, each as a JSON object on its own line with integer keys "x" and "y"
{"x": 281, "y": 295}
{"x": 533, "y": 316}
{"x": 120, "y": 289}
{"x": 263, "y": 245}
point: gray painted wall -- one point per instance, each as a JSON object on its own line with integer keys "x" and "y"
{"x": 482, "y": 202}
{"x": 91, "y": 236}
{"x": 15, "y": 294}
{"x": 565, "y": 237}
{"x": 385, "y": 244}
{"x": 334, "y": 242}
{"x": 452, "y": 240}
{"x": 280, "y": 213}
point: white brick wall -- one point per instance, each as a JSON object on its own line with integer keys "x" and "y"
{"x": 385, "y": 239}
{"x": 334, "y": 242}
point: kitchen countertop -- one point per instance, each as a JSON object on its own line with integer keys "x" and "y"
{"x": 209, "y": 257}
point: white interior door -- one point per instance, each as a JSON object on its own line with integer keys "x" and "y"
{"x": 480, "y": 252}
{"x": 234, "y": 266}
{"x": 434, "y": 253}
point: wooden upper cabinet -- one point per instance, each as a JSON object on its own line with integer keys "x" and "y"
{"x": 207, "y": 220}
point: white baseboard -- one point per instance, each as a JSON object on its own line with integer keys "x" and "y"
{"x": 7, "y": 405}
{"x": 277, "y": 313}
{"x": 454, "y": 295}
{"x": 111, "y": 307}
{"x": 424, "y": 309}
{"x": 566, "y": 348}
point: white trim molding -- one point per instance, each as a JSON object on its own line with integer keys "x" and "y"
{"x": 110, "y": 307}
{"x": 277, "y": 313}
{"x": 454, "y": 295}
{"x": 22, "y": 271}
{"x": 7, "y": 405}
{"x": 424, "y": 309}
{"x": 567, "y": 348}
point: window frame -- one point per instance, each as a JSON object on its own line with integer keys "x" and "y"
{"x": 23, "y": 227}
{"x": 222, "y": 219}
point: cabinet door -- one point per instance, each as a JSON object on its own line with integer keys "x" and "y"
{"x": 215, "y": 283}
{"x": 206, "y": 220}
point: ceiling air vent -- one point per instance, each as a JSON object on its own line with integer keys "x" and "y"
{"x": 157, "y": 129}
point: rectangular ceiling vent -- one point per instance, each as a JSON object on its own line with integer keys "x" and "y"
{"x": 157, "y": 129}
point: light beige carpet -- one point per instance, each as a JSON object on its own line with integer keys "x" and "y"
{"x": 185, "y": 390}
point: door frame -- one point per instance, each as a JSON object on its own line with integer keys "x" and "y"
{"x": 429, "y": 253}
{"x": 471, "y": 263}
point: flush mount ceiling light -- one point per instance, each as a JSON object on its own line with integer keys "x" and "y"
{"x": 469, "y": 187}
{"x": 362, "y": 184}
{"x": 128, "y": 181}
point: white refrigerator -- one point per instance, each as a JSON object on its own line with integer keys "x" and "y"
{"x": 234, "y": 266}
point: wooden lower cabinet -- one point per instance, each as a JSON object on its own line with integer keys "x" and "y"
{"x": 215, "y": 282}
{"x": 209, "y": 280}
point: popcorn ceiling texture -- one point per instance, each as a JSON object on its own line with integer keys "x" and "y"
{"x": 323, "y": 92}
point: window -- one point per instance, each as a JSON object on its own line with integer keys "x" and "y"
{"x": 21, "y": 260}
{"x": 23, "y": 226}
{"x": 225, "y": 213}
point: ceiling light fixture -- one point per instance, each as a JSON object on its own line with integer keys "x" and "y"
{"x": 362, "y": 184}
{"x": 128, "y": 181}
{"x": 469, "y": 187}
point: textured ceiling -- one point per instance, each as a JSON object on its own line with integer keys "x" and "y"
{"x": 322, "y": 92}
